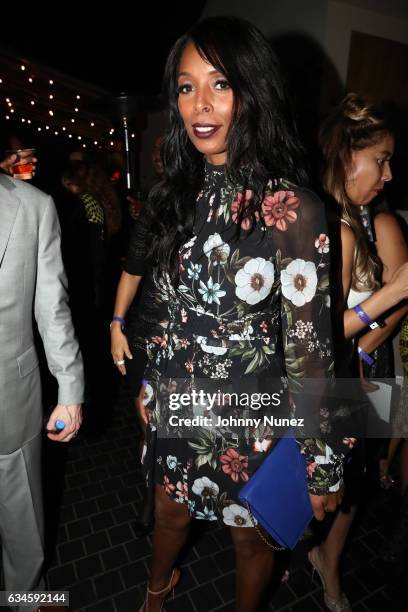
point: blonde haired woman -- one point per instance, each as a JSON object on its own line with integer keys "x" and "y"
{"x": 357, "y": 146}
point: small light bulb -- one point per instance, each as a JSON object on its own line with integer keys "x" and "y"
{"x": 76, "y": 109}
{"x": 47, "y": 127}
{"x": 51, "y": 82}
{"x": 78, "y": 97}
{"x": 51, "y": 113}
{"x": 22, "y": 67}
{"x": 63, "y": 128}
{"x": 51, "y": 97}
{"x": 30, "y": 80}
{"x": 79, "y": 137}
{"x": 39, "y": 129}
{"x": 56, "y": 133}
{"x": 72, "y": 120}
{"x": 32, "y": 103}
{"x": 92, "y": 124}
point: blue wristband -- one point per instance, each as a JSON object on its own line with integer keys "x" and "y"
{"x": 363, "y": 316}
{"x": 121, "y": 320}
{"x": 365, "y": 356}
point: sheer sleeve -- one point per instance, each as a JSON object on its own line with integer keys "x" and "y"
{"x": 299, "y": 232}
{"x": 148, "y": 316}
{"x": 136, "y": 261}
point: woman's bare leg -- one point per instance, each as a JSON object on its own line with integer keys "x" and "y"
{"x": 172, "y": 522}
{"x": 385, "y": 464}
{"x": 254, "y": 565}
{"x": 327, "y": 555}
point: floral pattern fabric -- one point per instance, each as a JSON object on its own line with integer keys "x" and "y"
{"x": 253, "y": 307}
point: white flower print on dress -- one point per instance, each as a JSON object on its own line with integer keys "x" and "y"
{"x": 171, "y": 462}
{"x": 211, "y": 292}
{"x": 261, "y": 446}
{"x": 236, "y": 516}
{"x": 148, "y": 394}
{"x": 215, "y": 350}
{"x": 216, "y": 250}
{"x": 254, "y": 281}
{"x": 208, "y": 348}
{"x": 205, "y": 488}
{"x": 299, "y": 281}
{"x": 190, "y": 243}
{"x": 206, "y": 515}
{"x": 301, "y": 330}
{"x": 194, "y": 271}
{"x": 246, "y": 334}
{"x": 210, "y": 208}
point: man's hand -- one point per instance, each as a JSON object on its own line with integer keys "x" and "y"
{"x": 24, "y": 155}
{"x": 7, "y": 164}
{"x": 325, "y": 503}
{"x": 72, "y": 417}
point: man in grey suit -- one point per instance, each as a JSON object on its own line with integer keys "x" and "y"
{"x": 32, "y": 287}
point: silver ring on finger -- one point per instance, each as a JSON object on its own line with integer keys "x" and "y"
{"x": 119, "y": 362}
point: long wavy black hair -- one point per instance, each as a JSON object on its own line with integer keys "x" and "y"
{"x": 262, "y": 137}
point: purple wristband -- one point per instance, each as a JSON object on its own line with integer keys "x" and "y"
{"x": 121, "y": 320}
{"x": 362, "y": 315}
{"x": 365, "y": 356}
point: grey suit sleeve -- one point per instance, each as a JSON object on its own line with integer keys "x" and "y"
{"x": 52, "y": 312}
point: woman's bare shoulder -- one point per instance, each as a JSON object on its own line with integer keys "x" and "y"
{"x": 387, "y": 225}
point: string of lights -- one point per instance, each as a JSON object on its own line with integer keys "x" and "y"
{"x": 50, "y": 102}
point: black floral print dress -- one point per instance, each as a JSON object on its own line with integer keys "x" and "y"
{"x": 253, "y": 308}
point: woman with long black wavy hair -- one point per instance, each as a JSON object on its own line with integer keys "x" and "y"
{"x": 239, "y": 249}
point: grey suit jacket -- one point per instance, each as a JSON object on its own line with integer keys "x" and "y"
{"x": 32, "y": 285}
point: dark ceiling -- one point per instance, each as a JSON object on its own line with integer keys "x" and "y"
{"x": 119, "y": 47}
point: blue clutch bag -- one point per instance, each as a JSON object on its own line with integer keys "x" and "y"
{"x": 277, "y": 495}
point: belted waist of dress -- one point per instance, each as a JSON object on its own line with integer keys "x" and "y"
{"x": 272, "y": 313}
{"x": 223, "y": 341}
{"x": 261, "y": 327}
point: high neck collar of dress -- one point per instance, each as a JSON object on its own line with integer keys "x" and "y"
{"x": 212, "y": 169}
